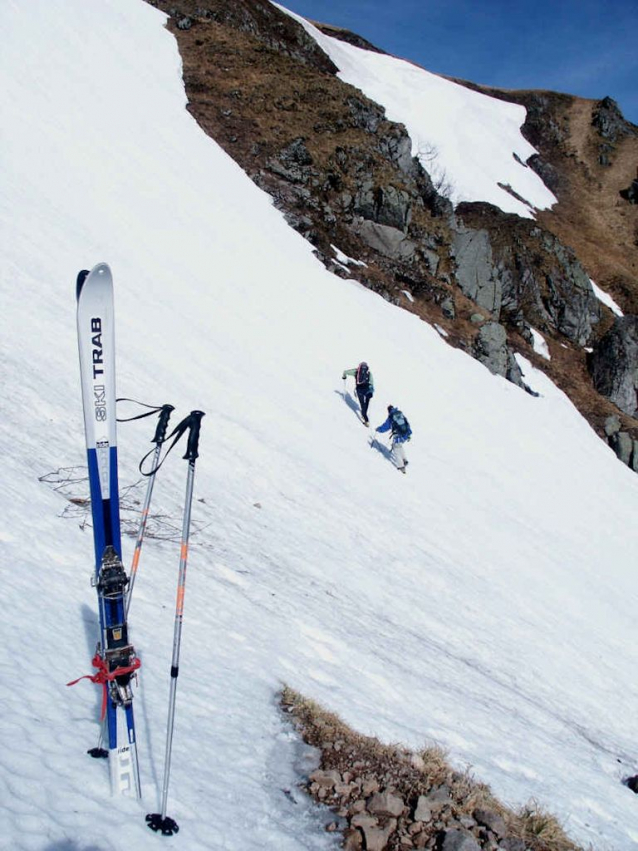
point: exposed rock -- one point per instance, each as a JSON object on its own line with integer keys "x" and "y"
{"x": 491, "y": 349}
{"x": 423, "y": 810}
{"x": 475, "y": 272}
{"x": 458, "y": 840}
{"x": 631, "y": 193}
{"x": 386, "y": 804}
{"x": 614, "y": 364}
{"x": 612, "y": 425}
{"x": 366, "y": 115}
{"x": 439, "y": 798}
{"x": 610, "y": 122}
{"x": 623, "y": 446}
{"x": 492, "y": 821}
{"x": 376, "y": 836}
{"x": 386, "y": 240}
{"x": 522, "y": 274}
{"x": 550, "y": 175}
{"x": 385, "y": 205}
{"x": 512, "y": 844}
{"x": 325, "y": 779}
{"x": 570, "y": 302}
{"x": 448, "y": 308}
{"x": 352, "y": 839}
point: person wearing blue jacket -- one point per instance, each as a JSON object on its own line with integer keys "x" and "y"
{"x": 401, "y": 433}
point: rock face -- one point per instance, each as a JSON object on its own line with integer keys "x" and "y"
{"x": 527, "y": 279}
{"x": 614, "y": 364}
{"x": 491, "y": 349}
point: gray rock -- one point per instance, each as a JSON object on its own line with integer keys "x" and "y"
{"x": 385, "y": 205}
{"x": 423, "y": 811}
{"x": 614, "y": 364}
{"x": 512, "y": 844}
{"x": 366, "y": 114}
{"x": 475, "y": 272}
{"x": 612, "y": 425}
{"x": 386, "y": 240}
{"x": 459, "y": 840}
{"x": 439, "y": 798}
{"x": 490, "y": 348}
{"x": 623, "y": 446}
{"x": 448, "y": 309}
{"x": 492, "y": 821}
{"x": 610, "y": 122}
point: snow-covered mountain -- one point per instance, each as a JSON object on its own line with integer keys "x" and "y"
{"x": 484, "y": 601}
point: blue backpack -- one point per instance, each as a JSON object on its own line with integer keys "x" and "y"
{"x": 400, "y": 425}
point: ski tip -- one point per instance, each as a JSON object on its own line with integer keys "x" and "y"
{"x": 81, "y": 278}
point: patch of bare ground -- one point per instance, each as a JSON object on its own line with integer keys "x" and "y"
{"x": 591, "y": 216}
{"x": 388, "y": 798}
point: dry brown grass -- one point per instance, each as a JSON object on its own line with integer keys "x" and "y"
{"x": 415, "y": 773}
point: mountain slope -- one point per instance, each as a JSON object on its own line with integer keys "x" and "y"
{"x": 314, "y": 120}
{"x": 484, "y": 600}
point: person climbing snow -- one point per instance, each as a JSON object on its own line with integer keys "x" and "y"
{"x": 401, "y": 433}
{"x": 364, "y": 386}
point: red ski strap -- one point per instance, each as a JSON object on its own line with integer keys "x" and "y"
{"x": 104, "y": 676}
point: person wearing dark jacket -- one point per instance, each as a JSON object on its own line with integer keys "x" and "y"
{"x": 364, "y": 386}
{"x": 401, "y": 433}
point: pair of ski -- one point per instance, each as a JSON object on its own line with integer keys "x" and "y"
{"x": 115, "y": 658}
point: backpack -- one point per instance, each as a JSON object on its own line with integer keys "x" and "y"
{"x": 400, "y": 425}
{"x": 363, "y": 374}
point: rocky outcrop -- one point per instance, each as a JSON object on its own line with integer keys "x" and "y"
{"x": 523, "y": 275}
{"x": 631, "y": 193}
{"x": 491, "y": 349}
{"x": 614, "y": 364}
{"x": 377, "y": 818}
{"x": 476, "y": 273}
{"x": 624, "y": 445}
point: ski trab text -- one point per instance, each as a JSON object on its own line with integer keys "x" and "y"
{"x": 96, "y": 340}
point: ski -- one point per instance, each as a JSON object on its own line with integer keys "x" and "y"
{"x": 115, "y": 656}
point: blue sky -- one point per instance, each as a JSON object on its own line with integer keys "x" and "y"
{"x": 582, "y": 47}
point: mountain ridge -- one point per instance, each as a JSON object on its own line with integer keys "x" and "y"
{"x": 344, "y": 175}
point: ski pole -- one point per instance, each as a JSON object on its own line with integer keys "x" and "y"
{"x": 159, "y": 438}
{"x": 160, "y": 821}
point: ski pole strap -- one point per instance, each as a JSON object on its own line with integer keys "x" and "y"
{"x": 104, "y": 676}
{"x": 164, "y": 412}
{"x": 190, "y": 423}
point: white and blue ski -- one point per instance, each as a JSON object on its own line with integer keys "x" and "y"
{"x": 115, "y": 657}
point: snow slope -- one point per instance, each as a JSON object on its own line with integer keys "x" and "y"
{"x": 486, "y": 600}
{"x": 467, "y": 141}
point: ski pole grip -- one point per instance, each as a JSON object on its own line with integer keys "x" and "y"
{"x": 192, "y": 449}
{"x": 162, "y": 424}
